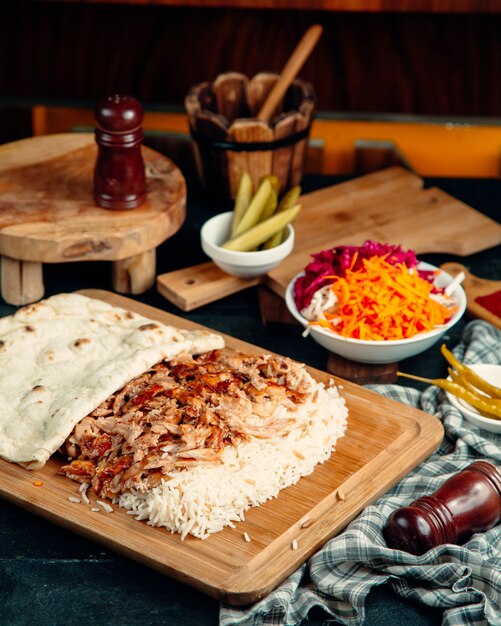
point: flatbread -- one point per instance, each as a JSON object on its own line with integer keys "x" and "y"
{"x": 63, "y": 356}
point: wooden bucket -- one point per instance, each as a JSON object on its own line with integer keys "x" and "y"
{"x": 229, "y": 141}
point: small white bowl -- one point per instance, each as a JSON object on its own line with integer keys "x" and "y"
{"x": 243, "y": 264}
{"x": 492, "y": 374}
{"x": 391, "y": 351}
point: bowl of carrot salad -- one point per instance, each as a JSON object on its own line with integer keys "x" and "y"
{"x": 374, "y": 303}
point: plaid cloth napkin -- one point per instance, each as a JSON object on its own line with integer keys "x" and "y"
{"x": 463, "y": 580}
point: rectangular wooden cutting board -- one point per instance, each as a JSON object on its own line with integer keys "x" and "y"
{"x": 390, "y": 206}
{"x": 383, "y": 442}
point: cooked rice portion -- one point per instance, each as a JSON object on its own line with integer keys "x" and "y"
{"x": 194, "y": 442}
{"x": 204, "y": 499}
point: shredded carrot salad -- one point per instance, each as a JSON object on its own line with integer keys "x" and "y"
{"x": 381, "y": 301}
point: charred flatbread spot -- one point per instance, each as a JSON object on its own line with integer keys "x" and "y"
{"x": 129, "y": 315}
{"x": 2, "y": 344}
{"x": 38, "y": 388}
{"x": 148, "y": 327}
{"x": 117, "y": 316}
{"x": 80, "y": 342}
{"x": 29, "y": 329}
{"x": 29, "y": 309}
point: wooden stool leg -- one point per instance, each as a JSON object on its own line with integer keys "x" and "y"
{"x": 21, "y": 281}
{"x": 136, "y": 274}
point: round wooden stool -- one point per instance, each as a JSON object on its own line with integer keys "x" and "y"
{"x": 48, "y": 215}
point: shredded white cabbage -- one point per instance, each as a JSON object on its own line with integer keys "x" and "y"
{"x": 323, "y": 300}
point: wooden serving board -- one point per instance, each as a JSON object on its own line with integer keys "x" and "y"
{"x": 48, "y": 215}
{"x": 383, "y": 442}
{"x": 389, "y": 206}
{"x": 476, "y": 287}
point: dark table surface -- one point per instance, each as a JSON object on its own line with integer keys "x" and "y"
{"x": 49, "y": 575}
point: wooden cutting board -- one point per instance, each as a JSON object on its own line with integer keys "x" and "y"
{"x": 388, "y": 206}
{"x": 384, "y": 441}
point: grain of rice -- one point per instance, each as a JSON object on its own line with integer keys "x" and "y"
{"x": 105, "y": 506}
{"x": 73, "y": 499}
{"x": 205, "y": 498}
{"x": 294, "y": 544}
{"x": 307, "y": 523}
{"x": 246, "y": 537}
{"x": 95, "y": 509}
{"x": 341, "y": 495}
{"x": 83, "y": 492}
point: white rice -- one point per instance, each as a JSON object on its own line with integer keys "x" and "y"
{"x": 83, "y": 492}
{"x": 206, "y": 498}
{"x": 105, "y": 506}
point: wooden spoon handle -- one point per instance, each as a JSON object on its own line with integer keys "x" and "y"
{"x": 290, "y": 71}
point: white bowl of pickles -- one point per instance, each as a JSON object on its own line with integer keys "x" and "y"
{"x": 257, "y": 235}
{"x": 244, "y": 264}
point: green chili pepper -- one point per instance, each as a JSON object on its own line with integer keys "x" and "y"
{"x": 463, "y": 382}
{"x": 460, "y": 380}
{"x": 486, "y": 406}
{"x": 471, "y": 375}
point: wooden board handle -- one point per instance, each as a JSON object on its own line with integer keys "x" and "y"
{"x": 290, "y": 71}
{"x": 195, "y": 286}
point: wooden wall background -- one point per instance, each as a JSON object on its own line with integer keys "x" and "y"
{"x": 375, "y": 61}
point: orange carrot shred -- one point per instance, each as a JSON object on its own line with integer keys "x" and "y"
{"x": 381, "y": 301}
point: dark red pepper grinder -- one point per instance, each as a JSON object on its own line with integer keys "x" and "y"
{"x": 466, "y": 503}
{"x": 119, "y": 178}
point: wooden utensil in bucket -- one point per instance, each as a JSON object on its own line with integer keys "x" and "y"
{"x": 228, "y": 142}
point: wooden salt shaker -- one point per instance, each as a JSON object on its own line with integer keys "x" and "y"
{"x": 466, "y": 503}
{"x": 119, "y": 177}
